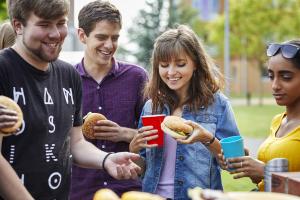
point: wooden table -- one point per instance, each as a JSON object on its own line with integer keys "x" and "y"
{"x": 286, "y": 182}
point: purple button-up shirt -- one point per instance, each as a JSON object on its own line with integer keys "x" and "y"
{"x": 119, "y": 97}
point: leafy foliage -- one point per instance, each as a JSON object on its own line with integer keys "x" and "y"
{"x": 3, "y": 10}
{"x": 147, "y": 28}
{"x": 253, "y": 25}
{"x": 155, "y": 18}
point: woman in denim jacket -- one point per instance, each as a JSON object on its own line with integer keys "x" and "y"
{"x": 184, "y": 83}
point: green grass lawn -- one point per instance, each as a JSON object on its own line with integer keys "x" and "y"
{"x": 230, "y": 184}
{"x": 254, "y": 121}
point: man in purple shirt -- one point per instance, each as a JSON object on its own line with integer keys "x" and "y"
{"x": 110, "y": 87}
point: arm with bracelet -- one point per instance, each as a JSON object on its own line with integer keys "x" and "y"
{"x": 200, "y": 134}
{"x": 119, "y": 165}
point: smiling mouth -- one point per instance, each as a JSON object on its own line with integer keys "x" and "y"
{"x": 173, "y": 79}
{"x": 52, "y": 45}
{"x": 105, "y": 53}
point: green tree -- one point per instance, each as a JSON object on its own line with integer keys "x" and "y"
{"x": 155, "y": 18}
{"x": 147, "y": 27}
{"x": 254, "y": 24}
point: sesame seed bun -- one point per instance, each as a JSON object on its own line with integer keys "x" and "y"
{"x": 176, "y": 127}
{"x": 90, "y": 121}
{"x": 10, "y": 104}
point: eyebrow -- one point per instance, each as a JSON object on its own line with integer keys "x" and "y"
{"x": 285, "y": 72}
{"x": 181, "y": 59}
{"x": 106, "y": 35}
{"x": 282, "y": 71}
{"x": 50, "y": 21}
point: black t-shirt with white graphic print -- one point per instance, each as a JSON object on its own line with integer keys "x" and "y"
{"x": 51, "y": 104}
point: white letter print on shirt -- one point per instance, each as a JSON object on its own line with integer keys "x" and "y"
{"x": 68, "y": 93}
{"x": 54, "y": 180}
{"x": 18, "y": 94}
{"x": 49, "y": 153}
{"x": 50, "y": 120}
{"x": 16, "y": 99}
{"x": 12, "y": 154}
{"x": 47, "y": 97}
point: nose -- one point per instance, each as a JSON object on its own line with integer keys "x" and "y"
{"x": 108, "y": 43}
{"x": 172, "y": 70}
{"x": 275, "y": 84}
{"x": 54, "y": 32}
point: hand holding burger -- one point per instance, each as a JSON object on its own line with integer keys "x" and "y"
{"x": 186, "y": 131}
{"x": 90, "y": 120}
{"x": 199, "y": 134}
{"x": 11, "y": 116}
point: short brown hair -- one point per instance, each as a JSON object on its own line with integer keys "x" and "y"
{"x": 95, "y": 12}
{"x": 21, "y": 9}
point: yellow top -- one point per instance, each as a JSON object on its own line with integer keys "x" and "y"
{"x": 287, "y": 146}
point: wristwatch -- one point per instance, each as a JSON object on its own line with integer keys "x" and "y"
{"x": 210, "y": 141}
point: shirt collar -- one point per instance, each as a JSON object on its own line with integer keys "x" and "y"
{"x": 114, "y": 70}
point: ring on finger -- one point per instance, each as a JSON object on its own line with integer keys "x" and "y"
{"x": 241, "y": 164}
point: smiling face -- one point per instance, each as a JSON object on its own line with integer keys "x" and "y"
{"x": 101, "y": 43}
{"x": 285, "y": 79}
{"x": 177, "y": 73}
{"x": 41, "y": 39}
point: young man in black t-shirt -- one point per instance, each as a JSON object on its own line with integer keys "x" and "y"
{"x": 49, "y": 93}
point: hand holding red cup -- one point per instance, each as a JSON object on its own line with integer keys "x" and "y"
{"x": 155, "y": 121}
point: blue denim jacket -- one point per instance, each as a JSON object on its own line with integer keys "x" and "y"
{"x": 195, "y": 165}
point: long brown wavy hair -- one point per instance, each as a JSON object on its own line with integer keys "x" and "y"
{"x": 206, "y": 79}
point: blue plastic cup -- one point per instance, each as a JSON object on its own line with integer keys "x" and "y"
{"x": 233, "y": 146}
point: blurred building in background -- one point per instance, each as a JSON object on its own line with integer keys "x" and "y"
{"x": 208, "y": 9}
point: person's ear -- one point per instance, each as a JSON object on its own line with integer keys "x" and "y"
{"x": 17, "y": 26}
{"x": 81, "y": 35}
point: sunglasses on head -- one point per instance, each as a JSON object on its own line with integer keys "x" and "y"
{"x": 287, "y": 50}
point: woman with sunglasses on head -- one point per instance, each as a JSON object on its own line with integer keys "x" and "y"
{"x": 284, "y": 138}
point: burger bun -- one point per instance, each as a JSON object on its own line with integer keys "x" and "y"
{"x": 176, "y": 127}
{"x": 90, "y": 121}
{"x": 10, "y": 104}
{"x": 136, "y": 195}
{"x": 105, "y": 194}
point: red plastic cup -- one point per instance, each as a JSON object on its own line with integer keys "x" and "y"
{"x": 155, "y": 121}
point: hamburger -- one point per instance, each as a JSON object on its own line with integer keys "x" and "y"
{"x": 108, "y": 194}
{"x": 90, "y": 121}
{"x": 10, "y": 104}
{"x": 176, "y": 127}
{"x": 136, "y": 195}
{"x": 105, "y": 194}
